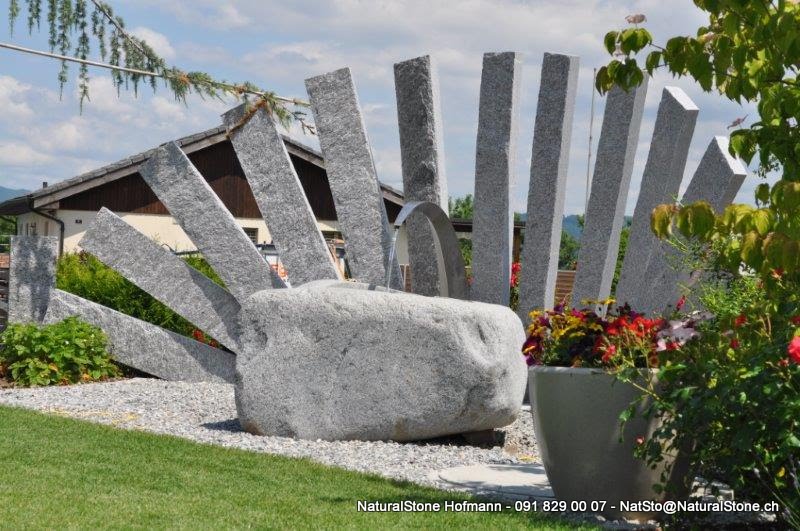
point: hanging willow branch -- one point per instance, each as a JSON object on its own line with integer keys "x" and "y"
{"x": 131, "y": 60}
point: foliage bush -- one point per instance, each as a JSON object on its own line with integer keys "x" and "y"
{"x": 84, "y": 275}
{"x": 70, "y": 351}
{"x": 732, "y": 393}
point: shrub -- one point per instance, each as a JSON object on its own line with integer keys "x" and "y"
{"x": 731, "y": 394}
{"x": 84, "y": 275}
{"x": 67, "y": 352}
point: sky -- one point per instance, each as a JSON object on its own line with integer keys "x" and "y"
{"x": 277, "y": 45}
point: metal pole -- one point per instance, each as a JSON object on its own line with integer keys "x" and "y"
{"x": 589, "y": 158}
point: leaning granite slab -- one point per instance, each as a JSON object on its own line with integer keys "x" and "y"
{"x": 32, "y": 276}
{"x": 341, "y": 364}
{"x": 144, "y": 346}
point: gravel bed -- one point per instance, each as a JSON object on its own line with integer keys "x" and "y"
{"x": 206, "y": 413}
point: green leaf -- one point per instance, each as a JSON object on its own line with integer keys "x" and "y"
{"x": 762, "y": 193}
{"x": 610, "y": 41}
{"x": 661, "y": 221}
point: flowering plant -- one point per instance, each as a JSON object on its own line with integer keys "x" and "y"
{"x": 619, "y": 338}
{"x": 732, "y": 394}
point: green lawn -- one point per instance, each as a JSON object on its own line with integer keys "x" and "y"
{"x": 58, "y": 473}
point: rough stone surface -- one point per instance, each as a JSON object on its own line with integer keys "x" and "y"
{"x": 495, "y": 156}
{"x": 164, "y": 276}
{"x": 280, "y": 196}
{"x": 144, "y": 346}
{"x": 548, "y": 181}
{"x": 661, "y": 181}
{"x": 422, "y": 158}
{"x": 351, "y": 174}
{"x": 338, "y": 364}
{"x": 717, "y": 180}
{"x": 32, "y": 276}
{"x": 616, "y": 150}
{"x": 204, "y": 218}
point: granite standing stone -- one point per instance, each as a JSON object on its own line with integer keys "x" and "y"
{"x": 717, "y": 180}
{"x": 495, "y": 154}
{"x": 321, "y": 362}
{"x": 422, "y": 158}
{"x": 549, "y": 160}
{"x": 164, "y": 276}
{"x": 280, "y": 196}
{"x": 616, "y": 150}
{"x": 353, "y": 181}
{"x": 661, "y": 181}
{"x": 204, "y": 218}
{"x": 145, "y": 346}
{"x": 32, "y": 276}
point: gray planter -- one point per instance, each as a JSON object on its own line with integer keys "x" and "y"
{"x": 576, "y": 421}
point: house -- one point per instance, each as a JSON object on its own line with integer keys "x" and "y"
{"x": 67, "y": 208}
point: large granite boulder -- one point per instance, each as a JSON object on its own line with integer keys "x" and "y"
{"x": 322, "y": 362}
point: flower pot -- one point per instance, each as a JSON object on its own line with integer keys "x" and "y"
{"x": 576, "y": 421}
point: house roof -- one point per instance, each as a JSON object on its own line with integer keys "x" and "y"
{"x": 47, "y": 196}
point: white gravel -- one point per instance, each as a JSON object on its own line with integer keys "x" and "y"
{"x": 206, "y": 413}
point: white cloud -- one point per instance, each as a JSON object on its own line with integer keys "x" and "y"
{"x": 19, "y": 154}
{"x": 12, "y": 99}
{"x": 158, "y": 41}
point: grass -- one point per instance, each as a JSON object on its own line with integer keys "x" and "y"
{"x": 63, "y": 473}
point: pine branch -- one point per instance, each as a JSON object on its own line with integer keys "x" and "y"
{"x": 131, "y": 60}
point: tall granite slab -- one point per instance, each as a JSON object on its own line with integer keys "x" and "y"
{"x": 352, "y": 177}
{"x": 717, "y": 180}
{"x": 147, "y": 347}
{"x": 204, "y": 218}
{"x": 661, "y": 181}
{"x": 619, "y": 137}
{"x": 495, "y": 154}
{"x": 163, "y": 275}
{"x": 550, "y": 156}
{"x": 280, "y": 196}
{"x": 422, "y": 158}
{"x": 32, "y": 276}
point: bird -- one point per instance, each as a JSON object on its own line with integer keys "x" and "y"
{"x": 638, "y": 18}
{"x": 738, "y": 121}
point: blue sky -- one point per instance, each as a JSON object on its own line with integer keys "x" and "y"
{"x": 279, "y": 44}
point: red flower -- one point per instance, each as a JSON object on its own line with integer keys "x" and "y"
{"x": 611, "y": 351}
{"x": 197, "y": 334}
{"x": 734, "y": 343}
{"x": 639, "y": 440}
{"x": 794, "y": 350}
{"x": 795, "y": 320}
{"x": 578, "y": 314}
{"x": 777, "y": 273}
{"x": 680, "y": 303}
{"x": 784, "y": 362}
{"x": 742, "y": 319}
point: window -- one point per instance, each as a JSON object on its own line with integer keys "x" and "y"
{"x": 252, "y": 233}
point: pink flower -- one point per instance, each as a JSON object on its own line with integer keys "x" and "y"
{"x": 639, "y": 440}
{"x": 681, "y": 302}
{"x": 734, "y": 343}
{"x": 742, "y": 319}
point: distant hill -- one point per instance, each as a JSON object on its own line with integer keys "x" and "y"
{"x": 571, "y": 226}
{"x": 9, "y": 193}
